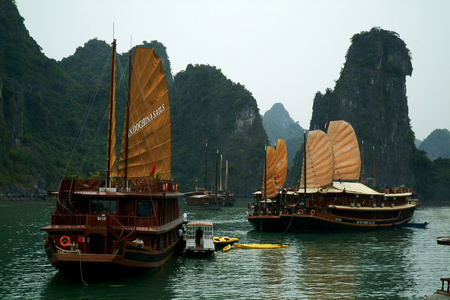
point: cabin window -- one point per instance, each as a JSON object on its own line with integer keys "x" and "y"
{"x": 103, "y": 206}
{"x": 144, "y": 208}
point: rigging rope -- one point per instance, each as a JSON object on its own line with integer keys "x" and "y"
{"x": 87, "y": 113}
{"x": 61, "y": 250}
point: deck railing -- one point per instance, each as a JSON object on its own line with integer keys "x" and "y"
{"x": 102, "y": 220}
{"x": 136, "y": 185}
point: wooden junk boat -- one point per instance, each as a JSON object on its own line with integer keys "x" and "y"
{"x": 329, "y": 199}
{"x": 214, "y": 199}
{"x": 132, "y": 224}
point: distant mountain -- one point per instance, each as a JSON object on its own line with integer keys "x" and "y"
{"x": 279, "y": 125}
{"x": 437, "y": 144}
{"x": 417, "y": 142}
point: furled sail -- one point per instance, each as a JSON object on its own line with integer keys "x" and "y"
{"x": 269, "y": 176}
{"x": 111, "y": 148}
{"x": 347, "y": 159}
{"x": 149, "y": 136}
{"x": 281, "y": 163}
{"x": 319, "y": 160}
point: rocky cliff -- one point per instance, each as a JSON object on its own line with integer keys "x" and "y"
{"x": 205, "y": 105}
{"x": 31, "y": 87}
{"x": 371, "y": 95}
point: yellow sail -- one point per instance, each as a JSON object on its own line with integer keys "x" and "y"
{"x": 149, "y": 136}
{"x": 111, "y": 148}
{"x": 347, "y": 159}
{"x": 269, "y": 177}
{"x": 319, "y": 160}
{"x": 281, "y": 163}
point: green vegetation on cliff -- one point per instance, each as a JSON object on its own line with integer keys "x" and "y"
{"x": 205, "y": 105}
{"x": 38, "y": 107}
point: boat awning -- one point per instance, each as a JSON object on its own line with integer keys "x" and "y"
{"x": 199, "y": 223}
{"x": 352, "y": 188}
{"x": 309, "y": 190}
{"x": 279, "y": 192}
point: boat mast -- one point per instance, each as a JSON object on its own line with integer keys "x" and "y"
{"x": 362, "y": 174}
{"x": 112, "y": 100}
{"x": 217, "y": 166}
{"x": 265, "y": 179}
{"x": 220, "y": 182}
{"x": 206, "y": 162}
{"x": 304, "y": 163}
{"x": 127, "y": 122}
{"x": 226, "y": 175}
{"x": 374, "y": 178}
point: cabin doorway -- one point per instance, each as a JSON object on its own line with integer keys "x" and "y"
{"x": 97, "y": 243}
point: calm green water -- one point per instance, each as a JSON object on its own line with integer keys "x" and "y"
{"x": 399, "y": 264}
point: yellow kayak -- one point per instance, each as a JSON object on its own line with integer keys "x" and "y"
{"x": 224, "y": 239}
{"x": 226, "y": 248}
{"x": 261, "y": 246}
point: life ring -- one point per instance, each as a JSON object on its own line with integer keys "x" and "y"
{"x": 300, "y": 211}
{"x": 313, "y": 212}
{"x": 64, "y": 241}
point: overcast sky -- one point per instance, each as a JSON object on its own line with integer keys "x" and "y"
{"x": 281, "y": 51}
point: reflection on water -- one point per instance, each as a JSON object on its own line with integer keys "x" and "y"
{"x": 398, "y": 264}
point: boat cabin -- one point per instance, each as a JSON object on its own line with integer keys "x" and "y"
{"x": 95, "y": 220}
{"x": 199, "y": 238}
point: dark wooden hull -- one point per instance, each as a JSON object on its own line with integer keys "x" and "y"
{"x": 267, "y": 223}
{"x": 229, "y": 202}
{"x": 327, "y": 222}
{"x": 130, "y": 258}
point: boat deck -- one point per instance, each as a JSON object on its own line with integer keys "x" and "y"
{"x": 371, "y": 208}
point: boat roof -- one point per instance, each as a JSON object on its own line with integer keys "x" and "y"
{"x": 355, "y": 188}
{"x": 288, "y": 192}
{"x": 199, "y": 223}
{"x": 199, "y": 196}
{"x": 338, "y": 187}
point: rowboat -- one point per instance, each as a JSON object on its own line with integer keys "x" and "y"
{"x": 226, "y": 248}
{"x": 261, "y": 246}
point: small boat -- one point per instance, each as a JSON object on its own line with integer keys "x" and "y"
{"x": 261, "y": 246}
{"x": 222, "y": 241}
{"x": 226, "y": 248}
{"x": 417, "y": 225}
{"x": 443, "y": 240}
{"x": 199, "y": 239}
{"x": 206, "y": 200}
